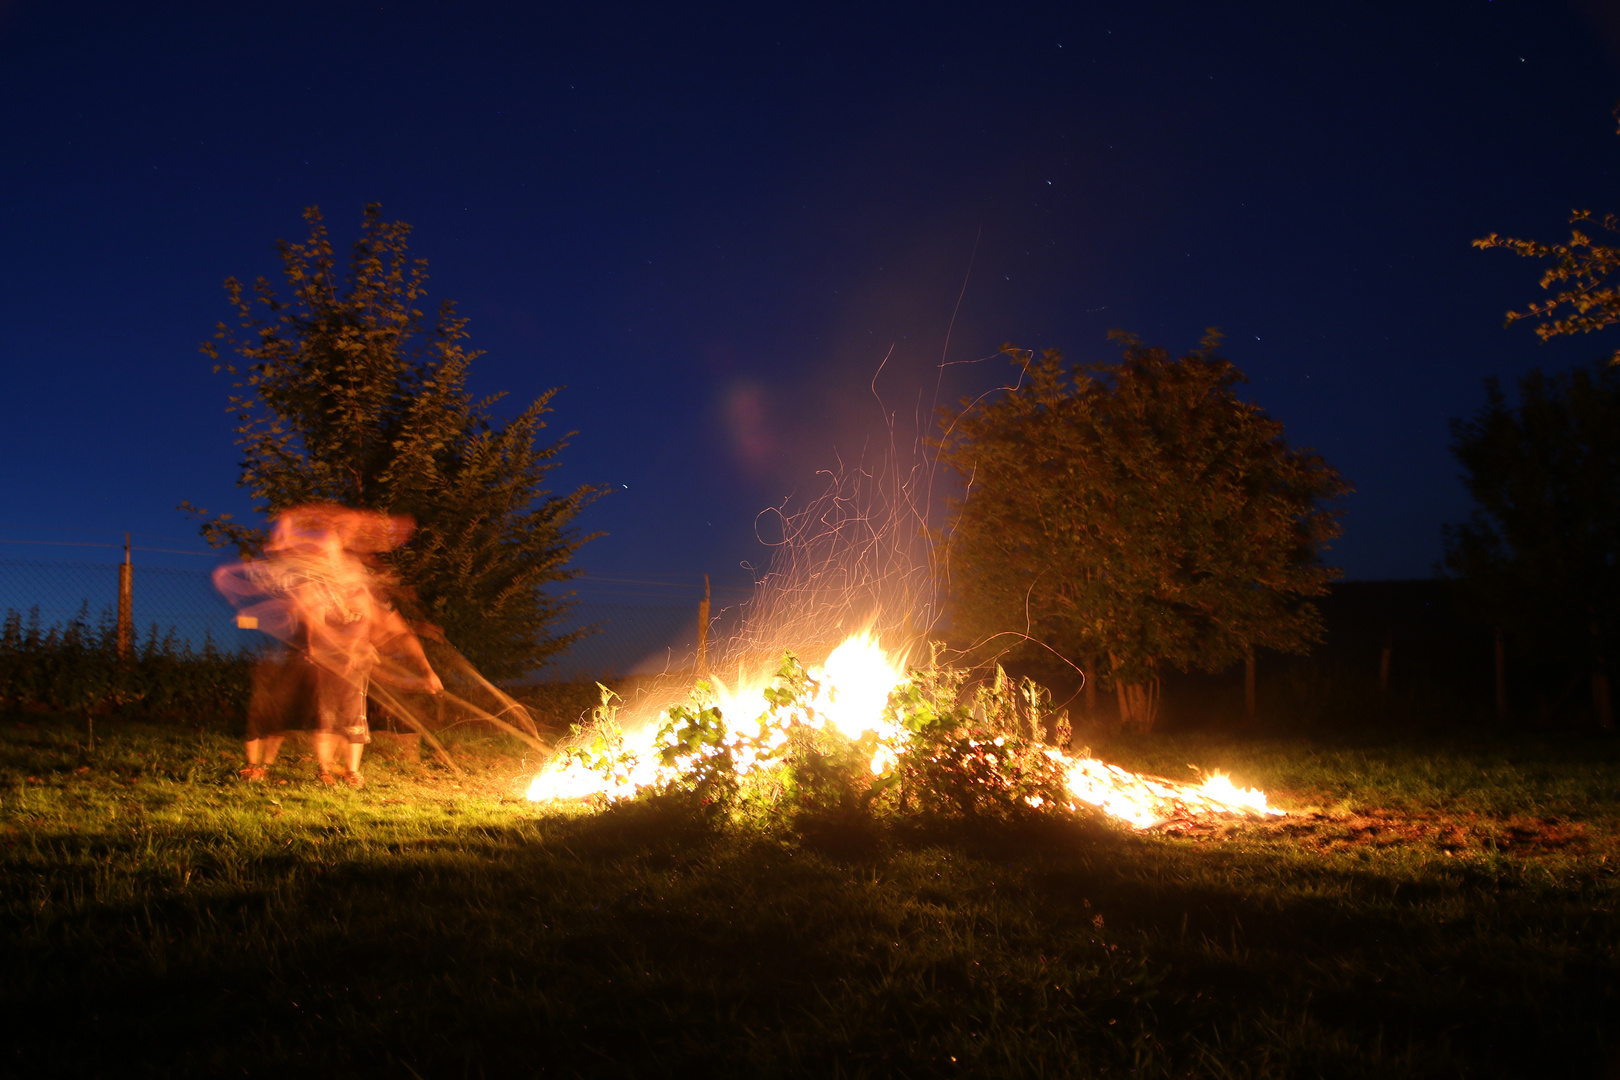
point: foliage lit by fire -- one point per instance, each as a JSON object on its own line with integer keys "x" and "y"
{"x": 860, "y": 732}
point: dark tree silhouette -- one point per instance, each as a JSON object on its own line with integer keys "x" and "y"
{"x": 1135, "y": 515}
{"x": 1541, "y": 553}
{"x": 349, "y": 395}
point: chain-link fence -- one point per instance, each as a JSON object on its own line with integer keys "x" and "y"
{"x": 166, "y": 600}
{"x": 638, "y": 625}
{"x": 642, "y": 625}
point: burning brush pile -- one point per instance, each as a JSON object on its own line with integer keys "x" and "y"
{"x": 864, "y": 731}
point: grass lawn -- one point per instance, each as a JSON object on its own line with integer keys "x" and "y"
{"x": 1430, "y": 908}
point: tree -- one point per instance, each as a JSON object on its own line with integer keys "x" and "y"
{"x": 1135, "y": 515}
{"x": 1587, "y": 275}
{"x": 1541, "y": 552}
{"x": 349, "y": 395}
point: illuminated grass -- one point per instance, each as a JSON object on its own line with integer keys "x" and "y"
{"x": 1420, "y": 924}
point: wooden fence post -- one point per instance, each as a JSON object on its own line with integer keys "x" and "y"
{"x": 1501, "y": 678}
{"x": 1601, "y": 703}
{"x": 126, "y": 603}
{"x": 703, "y": 629}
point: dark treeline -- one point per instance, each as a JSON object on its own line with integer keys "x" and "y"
{"x": 1521, "y": 630}
{"x": 78, "y": 667}
{"x": 1417, "y": 654}
{"x": 1540, "y": 556}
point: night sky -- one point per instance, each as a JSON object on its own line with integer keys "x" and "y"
{"x": 712, "y": 225}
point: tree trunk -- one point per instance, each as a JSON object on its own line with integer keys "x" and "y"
{"x": 1248, "y": 688}
{"x": 1138, "y": 704}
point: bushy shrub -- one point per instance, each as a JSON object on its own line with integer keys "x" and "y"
{"x": 976, "y": 754}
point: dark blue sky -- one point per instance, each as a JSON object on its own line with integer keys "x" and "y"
{"x": 712, "y": 224}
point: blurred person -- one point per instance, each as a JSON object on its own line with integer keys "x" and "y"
{"x": 318, "y": 591}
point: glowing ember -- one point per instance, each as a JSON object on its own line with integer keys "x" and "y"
{"x": 851, "y": 691}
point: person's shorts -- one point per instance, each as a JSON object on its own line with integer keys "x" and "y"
{"x": 283, "y": 689}
{"x": 340, "y": 706}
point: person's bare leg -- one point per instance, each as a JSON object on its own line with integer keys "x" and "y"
{"x": 325, "y": 750}
{"x": 261, "y": 754}
{"x": 254, "y": 770}
{"x": 355, "y": 750}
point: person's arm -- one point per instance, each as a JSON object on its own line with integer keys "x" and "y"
{"x": 397, "y": 637}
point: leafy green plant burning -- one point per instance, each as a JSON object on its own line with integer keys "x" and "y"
{"x": 858, "y": 734}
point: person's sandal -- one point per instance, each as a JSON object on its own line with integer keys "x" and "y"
{"x": 327, "y": 778}
{"x": 254, "y": 774}
{"x": 354, "y": 780}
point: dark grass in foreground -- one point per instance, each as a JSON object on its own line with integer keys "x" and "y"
{"x": 1436, "y": 909}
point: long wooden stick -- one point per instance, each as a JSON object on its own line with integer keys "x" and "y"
{"x": 498, "y": 722}
{"x": 405, "y": 715}
{"x": 534, "y": 729}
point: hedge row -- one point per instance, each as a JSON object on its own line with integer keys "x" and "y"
{"x": 77, "y": 668}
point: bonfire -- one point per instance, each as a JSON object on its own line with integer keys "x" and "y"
{"x": 864, "y": 703}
